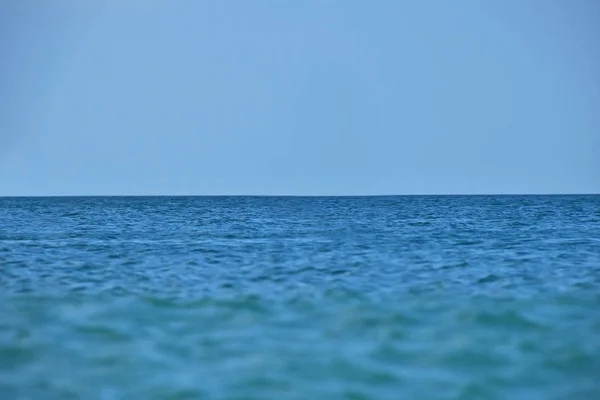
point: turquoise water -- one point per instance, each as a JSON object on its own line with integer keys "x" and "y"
{"x": 466, "y": 297}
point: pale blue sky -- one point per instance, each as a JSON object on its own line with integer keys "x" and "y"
{"x": 299, "y": 97}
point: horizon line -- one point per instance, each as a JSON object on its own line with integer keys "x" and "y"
{"x": 300, "y": 195}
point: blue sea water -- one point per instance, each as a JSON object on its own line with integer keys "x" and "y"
{"x": 423, "y": 297}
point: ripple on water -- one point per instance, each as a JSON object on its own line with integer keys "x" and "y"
{"x": 254, "y": 298}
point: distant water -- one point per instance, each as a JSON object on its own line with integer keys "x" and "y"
{"x": 474, "y": 297}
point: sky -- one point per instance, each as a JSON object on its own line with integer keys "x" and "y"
{"x": 281, "y": 97}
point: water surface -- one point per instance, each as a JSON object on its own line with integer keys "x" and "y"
{"x": 462, "y": 297}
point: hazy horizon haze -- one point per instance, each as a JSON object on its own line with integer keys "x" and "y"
{"x": 303, "y": 98}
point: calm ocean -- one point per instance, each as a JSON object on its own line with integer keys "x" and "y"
{"x": 423, "y": 297}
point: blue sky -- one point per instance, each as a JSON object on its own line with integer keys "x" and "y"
{"x": 299, "y": 97}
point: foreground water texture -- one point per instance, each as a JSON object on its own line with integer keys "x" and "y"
{"x": 484, "y": 297}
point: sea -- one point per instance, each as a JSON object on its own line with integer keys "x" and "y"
{"x": 247, "y": 298}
